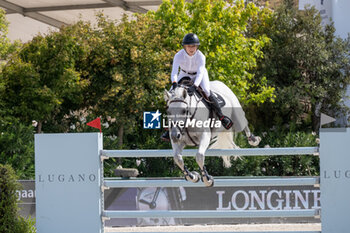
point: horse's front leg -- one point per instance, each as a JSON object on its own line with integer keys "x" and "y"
{"x": 189, "y": 176}
{"x": 203, "y": 145}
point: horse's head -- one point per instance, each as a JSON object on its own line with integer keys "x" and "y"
{"x": 177, "y": 111}
{"x": 179, "y": 93}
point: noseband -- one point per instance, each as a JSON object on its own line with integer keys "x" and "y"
{"x": 180, "y": 100}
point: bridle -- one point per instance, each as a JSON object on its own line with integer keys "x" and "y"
{"x": 179, "y": 100}
{"x": 187, "y": 114}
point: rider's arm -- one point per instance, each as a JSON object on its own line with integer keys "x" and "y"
{"x": 201, "y": 68}
{"x": 176, "y": 66}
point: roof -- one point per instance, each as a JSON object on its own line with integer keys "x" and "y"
{"x": 28, "y": 18}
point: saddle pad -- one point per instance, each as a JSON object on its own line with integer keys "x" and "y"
{"x": 220, "y": 99}
{"x": 187, "y": 82}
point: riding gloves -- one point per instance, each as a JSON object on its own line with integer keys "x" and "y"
{"x": 191, "y": 90}
{"x": 174, "y": 85}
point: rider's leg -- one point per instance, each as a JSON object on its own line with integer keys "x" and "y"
{"x": 205, "y": 83}
{"x": 226, "y": 122}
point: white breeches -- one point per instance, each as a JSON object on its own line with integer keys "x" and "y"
{"x": 204, "y": 83}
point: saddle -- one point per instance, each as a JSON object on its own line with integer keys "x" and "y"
{"x": 187, "y": 82}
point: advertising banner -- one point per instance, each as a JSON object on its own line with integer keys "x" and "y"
{"x": 198, "y": 198}
{"x": 215, "y": 198}
{"x": 26, "y": 198}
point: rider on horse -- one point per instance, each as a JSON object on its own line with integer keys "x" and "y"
{"x": 191, "y": 62}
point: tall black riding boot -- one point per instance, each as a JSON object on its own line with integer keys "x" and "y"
{"x": 226, "y": 122}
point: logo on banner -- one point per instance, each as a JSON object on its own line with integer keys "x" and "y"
{"x": 151, "y": 120}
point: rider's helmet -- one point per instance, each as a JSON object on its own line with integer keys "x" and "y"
{"x": 190, "y": 39}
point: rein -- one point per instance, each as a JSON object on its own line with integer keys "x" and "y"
{"x": 180, "y": 100}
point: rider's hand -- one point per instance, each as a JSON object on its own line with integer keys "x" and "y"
{"x": 191, "y": 90}
{"x": 174, "y": 85}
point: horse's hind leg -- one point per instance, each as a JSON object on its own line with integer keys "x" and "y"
{"x": 204, "y": 143}
{"x": 189, "y": 176}
{"x": 252, "y": 139}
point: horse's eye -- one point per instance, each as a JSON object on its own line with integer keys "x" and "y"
{"x": 183, "y": 111}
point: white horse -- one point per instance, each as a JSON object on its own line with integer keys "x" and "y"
{"x": 189, "y": 124}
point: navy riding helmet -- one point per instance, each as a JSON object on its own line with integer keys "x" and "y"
{"x": 190, "y": 39}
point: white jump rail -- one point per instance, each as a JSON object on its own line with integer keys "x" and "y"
{"x": 219, "y": 182}
{"x": 211, "y": 213}
{"x": 225, "y": 231}
{"x": 111, "y": 231}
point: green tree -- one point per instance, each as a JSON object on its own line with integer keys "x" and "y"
{"x": 42, "y": 81}
{"x": 222, "y": 27}
{"x": 131, "y": 57}
{"x": 16, "y": 137}
{"x": 307, "y": 65}
{"x": 10, "y": 220}
{"x": 6, "y": 47}
{"x": 17, "y": 147}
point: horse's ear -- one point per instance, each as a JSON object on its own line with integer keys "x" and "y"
{"x": 166, "y": 95}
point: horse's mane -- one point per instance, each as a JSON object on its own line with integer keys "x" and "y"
{"x": 178, "y": 93}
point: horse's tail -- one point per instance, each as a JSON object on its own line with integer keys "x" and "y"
{"x": 224, "y": 140}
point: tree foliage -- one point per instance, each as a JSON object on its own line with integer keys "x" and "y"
{"x": 17, "y": 146}
{"x": 131, "y": 55}
{"x": 10, "y": 220}
{"x": 42, "y": 80}
{"x": 6, "y": 47}
{"x": 222, "y": 28}
{"x": 307, "y": 65}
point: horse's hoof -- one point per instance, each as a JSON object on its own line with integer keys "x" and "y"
{"x": 193, "y": 177}
{"x": 196, "y": 177}
{"x": 254, "y": 140}
{"x": 208, "y": 181}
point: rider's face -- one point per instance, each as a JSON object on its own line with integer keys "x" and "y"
{"x": 191, "y": 49}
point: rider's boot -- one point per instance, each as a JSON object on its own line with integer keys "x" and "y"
{"x": 226, "y": 122}
{"x": 165, "y": 136}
